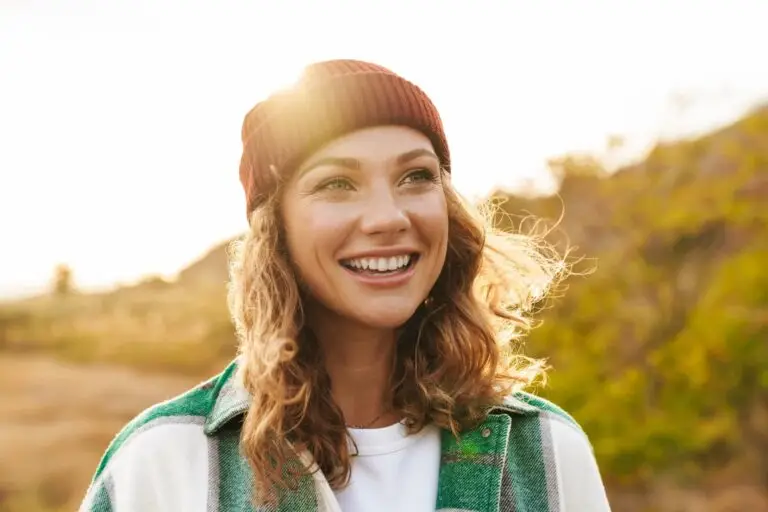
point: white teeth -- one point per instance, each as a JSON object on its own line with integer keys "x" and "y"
{"x": 380, "y": 264}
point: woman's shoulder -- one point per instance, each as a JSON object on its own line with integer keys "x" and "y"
{"x": 168, "y": 440}
{"x": 190, "y": 408}
{"x": 528, "y": 403}
{"x": 547, "y": 417}
{"x": 542, "y": 430}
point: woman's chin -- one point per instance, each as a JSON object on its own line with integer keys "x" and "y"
{"x": 385, "y": 316}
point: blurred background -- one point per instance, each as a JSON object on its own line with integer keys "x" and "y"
{"x": 643, "y": 126}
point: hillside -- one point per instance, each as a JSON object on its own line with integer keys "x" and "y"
{"x": 661, "y": 354}
{"x": 210, "y": 269}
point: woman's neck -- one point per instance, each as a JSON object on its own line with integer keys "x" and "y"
{"x": 359, "y": 361}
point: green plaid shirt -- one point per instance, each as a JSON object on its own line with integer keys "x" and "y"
{"x": 183, "y": 455}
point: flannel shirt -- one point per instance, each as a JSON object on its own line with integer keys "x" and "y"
{"x": 183, "y": 455}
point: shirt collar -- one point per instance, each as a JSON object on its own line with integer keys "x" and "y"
{"x": 231, "y": 400}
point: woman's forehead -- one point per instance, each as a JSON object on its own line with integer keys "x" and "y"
{"x": 376, "y": 144}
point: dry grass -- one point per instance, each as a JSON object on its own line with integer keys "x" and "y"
{"x": 57, "y": 418}
{"x": 168, "y": 328}
{"x": 74, "y": 370}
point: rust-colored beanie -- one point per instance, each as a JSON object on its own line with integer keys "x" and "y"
{"x": 330, "y": 99}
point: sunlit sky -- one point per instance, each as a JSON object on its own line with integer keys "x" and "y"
{"x": 120, "y": 120}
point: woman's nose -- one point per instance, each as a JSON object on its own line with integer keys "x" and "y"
{"x": 384, "y": 214}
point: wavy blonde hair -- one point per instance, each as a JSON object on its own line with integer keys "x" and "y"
{"x": 457, "y": 355}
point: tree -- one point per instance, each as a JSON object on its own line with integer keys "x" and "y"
{"x": 62, "y": 280}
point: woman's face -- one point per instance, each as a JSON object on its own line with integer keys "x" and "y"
{"x": 366, "y": 222}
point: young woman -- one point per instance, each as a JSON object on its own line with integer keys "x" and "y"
{"x": 376, "y": 318}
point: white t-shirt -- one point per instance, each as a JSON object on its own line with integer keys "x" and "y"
{"x": 392, "y": 471}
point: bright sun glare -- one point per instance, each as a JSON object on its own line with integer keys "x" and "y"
{"x": 121, "y": 121}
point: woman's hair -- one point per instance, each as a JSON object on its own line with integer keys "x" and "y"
{"x": 458, "y": 355}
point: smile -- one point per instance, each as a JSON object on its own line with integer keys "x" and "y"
{"x": 381, "y": 266}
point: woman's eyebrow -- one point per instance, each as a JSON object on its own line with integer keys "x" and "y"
{"x": 355, "y": 165}
{"x": 332, "y": 161}
{"x": 414, "y": 154}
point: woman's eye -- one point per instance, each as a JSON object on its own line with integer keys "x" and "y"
{"x": 421, "y": 176}
{"x": 336, "y": 184}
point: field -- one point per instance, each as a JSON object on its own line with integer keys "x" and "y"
{"x": 58, "y": 417}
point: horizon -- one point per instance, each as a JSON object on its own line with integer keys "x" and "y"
{"x": 111, "y": 108}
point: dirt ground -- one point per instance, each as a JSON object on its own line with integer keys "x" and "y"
{"x": 56, "y": 419}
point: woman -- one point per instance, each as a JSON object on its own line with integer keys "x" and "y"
{"x": 376, "y": 318}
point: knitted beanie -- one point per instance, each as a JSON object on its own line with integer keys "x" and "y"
{"x": 330, "y": 99}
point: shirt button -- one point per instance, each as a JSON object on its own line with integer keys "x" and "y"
{"x": 486, "y": 432}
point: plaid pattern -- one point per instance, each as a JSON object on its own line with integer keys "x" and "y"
{"x": 505, "y": 464}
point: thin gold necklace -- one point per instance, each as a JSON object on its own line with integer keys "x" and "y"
{"x": 368, "y": 425}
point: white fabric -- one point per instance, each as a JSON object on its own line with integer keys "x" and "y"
{"x": 579, "y": 481}
{"x": 392, "y": 471}
{"x": 174, "y": 470}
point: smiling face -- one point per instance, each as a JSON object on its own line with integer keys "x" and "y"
{"x": 366, "y": 223}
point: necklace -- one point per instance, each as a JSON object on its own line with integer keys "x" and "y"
{"x": 368, "y": 425}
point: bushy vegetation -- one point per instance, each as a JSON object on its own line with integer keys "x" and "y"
{"x": 661, "y": 353}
